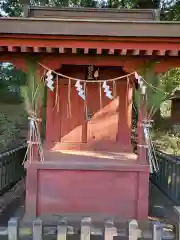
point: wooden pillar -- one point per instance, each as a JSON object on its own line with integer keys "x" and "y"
{"x": 53, "y": 116}
{"x": 49, "y": 117}
{"x": 53, "y": 112}
{"x": 125, "y": 114}
{"x": 129, "y": 110}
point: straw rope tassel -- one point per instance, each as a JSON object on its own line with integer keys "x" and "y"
{"x": 58, "y": 94}
{"x": 100, "y": 94}
{"x": 56, "y": 97}
{"x": 114, "y": 89}
{"x": 67, "y": 111}
{"x": 85, "y": 102}
{"x": 127, "y": 95}
{"x": 69, "y": 99}
{"x": 67, "y": 108}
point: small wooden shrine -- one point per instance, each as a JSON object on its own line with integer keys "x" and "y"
{"x": 88, "y": 59}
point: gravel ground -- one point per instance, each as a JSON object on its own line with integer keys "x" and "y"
{"x": 11, "y": 203}
{"x": 159, "y": 205}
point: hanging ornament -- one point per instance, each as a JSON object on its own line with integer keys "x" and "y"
{"x": 107, "y": 90}
{"x": 96, "y": 74}
{"x": 139, "y": 78}
{"x": 80, "y": 90}
{"x": 90, "y": 72}
{"x": 141, "y": 83}
{"x": 49, "y": 80}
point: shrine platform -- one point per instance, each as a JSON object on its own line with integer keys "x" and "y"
{"x": 88, "y": 182}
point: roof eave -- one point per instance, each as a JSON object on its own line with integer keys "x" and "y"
{"x": 89, "y": 27}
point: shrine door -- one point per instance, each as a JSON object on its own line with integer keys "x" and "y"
{"x": 94, "y": 121}
{"x": 104, "y": 114}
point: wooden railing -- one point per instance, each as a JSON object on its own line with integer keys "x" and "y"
{"x": 86, "y": 229}
{"x": 11, "y": 168}
{"x": 167, "y": 178}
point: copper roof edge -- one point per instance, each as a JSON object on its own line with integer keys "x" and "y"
{"x": 30, "y": 19}
{"x": 89, "y": 27}
{"x": 102, "y": 13}
{"x": 86, "y": 9}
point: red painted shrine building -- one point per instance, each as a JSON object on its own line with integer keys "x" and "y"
{"x": 89, "y": 166}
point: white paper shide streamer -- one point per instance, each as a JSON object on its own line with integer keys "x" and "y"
{"x": 80, "y": 90}
{"x": 49, "y": 80}
{"x": 107, "y": 90}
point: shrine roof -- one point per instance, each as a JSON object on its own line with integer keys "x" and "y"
{"x": 89, "y": 22}
{"x": 114, "y": 32}
{"x": 89, "y": 27}
{"x": 92, "y": 13}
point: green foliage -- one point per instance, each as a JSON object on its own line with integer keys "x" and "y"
{"x": 146, "y": 4}
{"x": 33, "y": 92}
{"x": 12, "y": 128}
{"x": 165, "y": 110}
{"x": 170, "y": 9}
{"x": 10, "y": 82}
{"x": 171, "y": 79}
{"x": 160, "y": 87}
{"x": 8, "y": 132}
{"x": 12, "y": 7}
{"x": 12, "y": 118}
{"x": 168, "y": 142}
{"x": 171, "y": 12}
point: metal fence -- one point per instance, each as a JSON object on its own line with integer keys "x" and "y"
{"x": 167, "y": 178}
{"x": 11, "y": 168}
{"x": 86, "y": 229}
